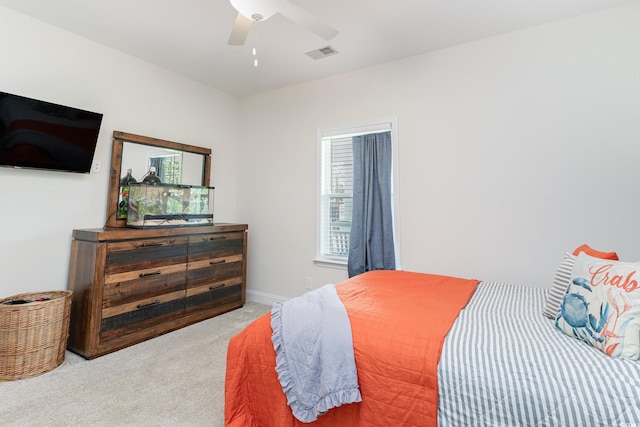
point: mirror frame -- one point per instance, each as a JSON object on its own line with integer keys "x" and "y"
{"x": 119, "y": 138}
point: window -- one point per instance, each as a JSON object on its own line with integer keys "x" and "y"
{"x": 335, "y": 191}
{"x": 167, "y": 167}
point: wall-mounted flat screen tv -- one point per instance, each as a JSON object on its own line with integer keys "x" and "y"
{"x": 40, "y": 135}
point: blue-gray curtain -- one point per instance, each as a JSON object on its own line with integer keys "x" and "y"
{"x": 371, "y": 242}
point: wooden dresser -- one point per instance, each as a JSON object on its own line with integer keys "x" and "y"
{"x": 130, "y": 285}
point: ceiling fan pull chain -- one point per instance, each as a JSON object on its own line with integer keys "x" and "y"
{"x": 254, "y": 51}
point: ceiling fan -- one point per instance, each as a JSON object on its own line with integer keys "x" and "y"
{"x": 250, "y": 11}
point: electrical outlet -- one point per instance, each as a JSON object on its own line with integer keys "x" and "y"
{"x": 308, "y": 283}
{"x": 96, "y": 167}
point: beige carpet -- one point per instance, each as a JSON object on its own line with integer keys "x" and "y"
{"x": 174, "y": 380}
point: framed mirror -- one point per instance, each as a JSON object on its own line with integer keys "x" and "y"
{"x": 176, "y": 163}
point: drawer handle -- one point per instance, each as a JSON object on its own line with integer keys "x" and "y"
{"x": 156, "y": 302}
{"x": 216, "y": 287}
{"x": 218, "y": 238}
{"x": 148, "y": 245}
{"x": 155, "y": 273}
{"x": 222, "y": 261}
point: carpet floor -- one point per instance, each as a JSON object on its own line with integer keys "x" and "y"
{"x": 176, "y": 379}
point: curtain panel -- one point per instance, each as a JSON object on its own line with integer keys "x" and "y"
{"x": 371, "y": 242}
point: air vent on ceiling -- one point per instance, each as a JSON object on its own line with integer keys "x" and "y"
{"x": 323, "y": 52}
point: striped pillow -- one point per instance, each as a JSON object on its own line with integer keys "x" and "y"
{"x": 559, "y": 286}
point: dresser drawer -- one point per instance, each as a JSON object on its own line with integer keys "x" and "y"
{"x": 137, "y": 315}
{"x": 214, "y": 270}
{"x": 130, "y": 286}
{"x": 214, "y": 295}
{"x": 145, "y": 254}
{"x": 218, "y": 245}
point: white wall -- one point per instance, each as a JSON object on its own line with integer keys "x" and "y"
{"x": 513, "y": 150}
{"x": 39, "y": 209}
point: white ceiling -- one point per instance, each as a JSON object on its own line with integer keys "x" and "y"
{"x": 189, "y": 37}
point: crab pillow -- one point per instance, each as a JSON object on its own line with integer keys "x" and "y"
{"x": 602, "y": 306}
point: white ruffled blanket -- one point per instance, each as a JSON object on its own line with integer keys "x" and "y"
{"x": 314, "y": 353}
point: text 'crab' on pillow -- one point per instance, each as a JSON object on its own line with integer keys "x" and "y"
{"x": 602, "y": 306}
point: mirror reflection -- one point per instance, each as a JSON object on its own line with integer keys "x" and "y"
{"x": 153, "y": 164}
{"x": 171, "y": 166}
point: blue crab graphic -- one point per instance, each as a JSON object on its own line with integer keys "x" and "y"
{"x": 575, "y": 312}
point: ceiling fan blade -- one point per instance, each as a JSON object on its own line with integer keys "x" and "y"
{"x": 306, "y": 20}
{"x": 240, "y": 30}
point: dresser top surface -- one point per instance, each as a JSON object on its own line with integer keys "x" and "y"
{"x": 123, "y": 233}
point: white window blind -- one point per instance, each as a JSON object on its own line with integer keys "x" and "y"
{"x": 337, "y": 196}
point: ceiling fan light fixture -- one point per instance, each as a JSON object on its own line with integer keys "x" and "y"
{"x": 252, "y": 11}
{"x": 262, "y": 9}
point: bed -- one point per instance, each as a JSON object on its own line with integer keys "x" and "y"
{"x": 434, "y": 350}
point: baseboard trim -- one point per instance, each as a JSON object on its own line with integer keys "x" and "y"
{"x": 263, "y": 297}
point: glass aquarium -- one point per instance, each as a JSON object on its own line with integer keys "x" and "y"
{"x": 169, "y": 205}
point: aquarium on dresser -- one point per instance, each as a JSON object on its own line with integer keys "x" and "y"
{"x": 169, "y": 205}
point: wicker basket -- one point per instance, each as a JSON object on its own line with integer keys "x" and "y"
{"x": 33, "y": 336}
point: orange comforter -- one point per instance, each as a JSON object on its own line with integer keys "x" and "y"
{"x": 398, "y": 320}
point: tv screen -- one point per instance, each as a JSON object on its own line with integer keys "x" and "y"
{"x": 41, "y": 135}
